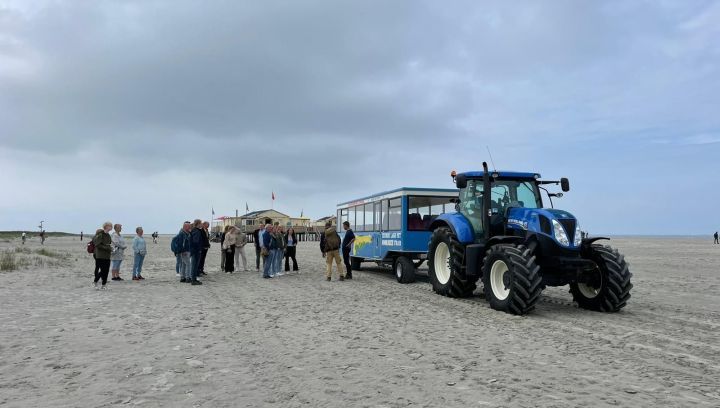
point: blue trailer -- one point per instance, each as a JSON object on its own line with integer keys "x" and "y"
{"x": 393, "y": 227}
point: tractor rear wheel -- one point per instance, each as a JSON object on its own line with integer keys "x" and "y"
{"x": 404, "y": 270}
{"x": 610, "y": 290}
{"x": 445, "y": 260}
{"x": 511, "y": 279}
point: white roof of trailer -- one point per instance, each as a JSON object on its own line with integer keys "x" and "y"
{"x": 402, "y": 191}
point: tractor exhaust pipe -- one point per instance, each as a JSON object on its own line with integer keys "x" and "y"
{"x": 487, "y": 190}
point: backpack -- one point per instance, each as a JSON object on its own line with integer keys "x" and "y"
{"x": 332, "y": 240}
{"x": 175, "y": 244}
{"x": 91, "y": 247}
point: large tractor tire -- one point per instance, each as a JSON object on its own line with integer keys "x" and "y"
{"x": 610, "y": 290}
{"x": 511, "y": 279}
{"x": 404, "y": 270}
{"x": 445, "y": 260}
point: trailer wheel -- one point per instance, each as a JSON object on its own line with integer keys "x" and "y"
{"x": 511, "y": 279}
{"x": 355, "y": 263}
{"x": 445, "y": 260}
{"x": 404, "y": 270}
{"x": 610, "y": 290}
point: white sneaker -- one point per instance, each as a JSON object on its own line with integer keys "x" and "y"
{"x": 103, "y": 287}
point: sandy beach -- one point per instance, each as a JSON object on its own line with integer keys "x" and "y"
{"x": 298, "y": 341}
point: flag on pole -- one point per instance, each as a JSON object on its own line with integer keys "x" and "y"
{"x": 273, "y": 196}
{"x": 301, "y": 213}
{"x": 247, "y": 209}
{"x": 213, "y": 211}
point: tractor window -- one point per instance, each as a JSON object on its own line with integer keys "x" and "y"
{"x": 512, "y": 193}
{"x": 471, "y": 204}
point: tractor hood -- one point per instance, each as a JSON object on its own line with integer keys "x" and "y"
{"x": 550, "y": 222}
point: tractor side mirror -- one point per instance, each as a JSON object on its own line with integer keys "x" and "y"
{"x": 565, "y": 184}
{"x": 461, "y": 181}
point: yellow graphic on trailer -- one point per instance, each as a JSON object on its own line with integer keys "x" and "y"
{"x": 360, "y": 242}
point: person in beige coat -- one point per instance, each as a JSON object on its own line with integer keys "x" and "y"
{"x": 228, "y": 247}
{"x": 240, "y": 243}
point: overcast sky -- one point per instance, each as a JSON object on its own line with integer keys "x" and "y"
{"x": 152, "y": 112}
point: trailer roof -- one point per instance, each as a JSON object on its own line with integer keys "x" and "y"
{"x": 449, "y": 192}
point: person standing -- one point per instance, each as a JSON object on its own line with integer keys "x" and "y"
{"x": 279, "y": 249}
{"x": 24, "y": 237}
{"x": 229, "y": 249}
{"x": 196, "y": 248}
{"x": 223, "y": 254}
{"x": 118, "y": 252}
{"x": 347, "y": 245}
{"x": 103, "y": 249}
{"x": 81, "y": 236}
{"x": 330, "y": 245}
{"x": 290, "y": 250}
{"x": 267, "y": 251}
{"x": 183, "y": 250}
{"x": 42, "y": 237}
{"x": 206, "y": 247}
{"x": 240, "y": 243}
{"x": 716, "y": 238}
{"x": 139, "y": 250}
{"x": 258, "y": 238}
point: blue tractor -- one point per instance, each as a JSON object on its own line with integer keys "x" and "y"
{"x": 501, "y": 233}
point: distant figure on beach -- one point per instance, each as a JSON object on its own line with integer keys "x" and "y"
{"x": 330, "y": 246}
{"x": 257, "y": 237}
{"x": 118, "y": 252}
{"x": 181, "y": 246}
{"x": 81, "y": 236}
{"x": 240, "y": 243}
{"x": 267, "y": 251}
{"x": 291, "y": 250}
{"x": 24, "y": 237}
{"x": 155, "y": 237}
{"x": 716, "y": 238}
{"x": 103, "y": 249}
{"x": 139, "y": 250}
{"x": 206, "y": 247}
{"x": 42, "y": 237}
{"x": 347, "y": 245}
{"x": 228, "y": 247}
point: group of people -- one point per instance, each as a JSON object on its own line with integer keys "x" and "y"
{"x": 272, "y": 244}
{"x": 108, "y": 249}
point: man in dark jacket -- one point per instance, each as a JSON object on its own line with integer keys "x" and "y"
{"x": 196, "y": 248}
{"x": 347, "y": 245}
{"x": 103, "y": 248}
{"x": 267, "y": 251}
{"x": 205, "y": 246}
{"x": 183, "y": 249}
{"x": 257, "y": 237}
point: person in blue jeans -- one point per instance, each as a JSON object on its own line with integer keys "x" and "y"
{"x": 196, "y": 248}
{"x": 139, "y": 250}
{"x": 268, "y": 253}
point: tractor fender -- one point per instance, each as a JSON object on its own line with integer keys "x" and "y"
{"x": 458, "y": 224}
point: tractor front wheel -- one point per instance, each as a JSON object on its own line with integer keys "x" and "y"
{"x": 445, "y": 260}
{"x": 609, "y": 288}
{"x": 511, "y": 279}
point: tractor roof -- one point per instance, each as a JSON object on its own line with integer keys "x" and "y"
{"x": 502, "y": 174}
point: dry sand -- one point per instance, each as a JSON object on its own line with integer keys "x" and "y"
{"x": 240, "y": 340}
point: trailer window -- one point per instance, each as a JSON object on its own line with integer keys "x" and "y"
{"x": 394, "y": 215}
{"x": 351, "y": 217}
{"x": 385, "y": 215}
{"x": 369, "y": 216}
{"x": 422, "y": 211}
{"x": 378, "y": 216}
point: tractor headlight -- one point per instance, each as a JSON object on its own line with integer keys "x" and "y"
{"x": 560, "y": 234}
{"x": 578, "y": 236}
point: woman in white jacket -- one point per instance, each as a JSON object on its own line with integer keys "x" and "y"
{"x": 118, "y": 252}
{"x": 228, "y": 247}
